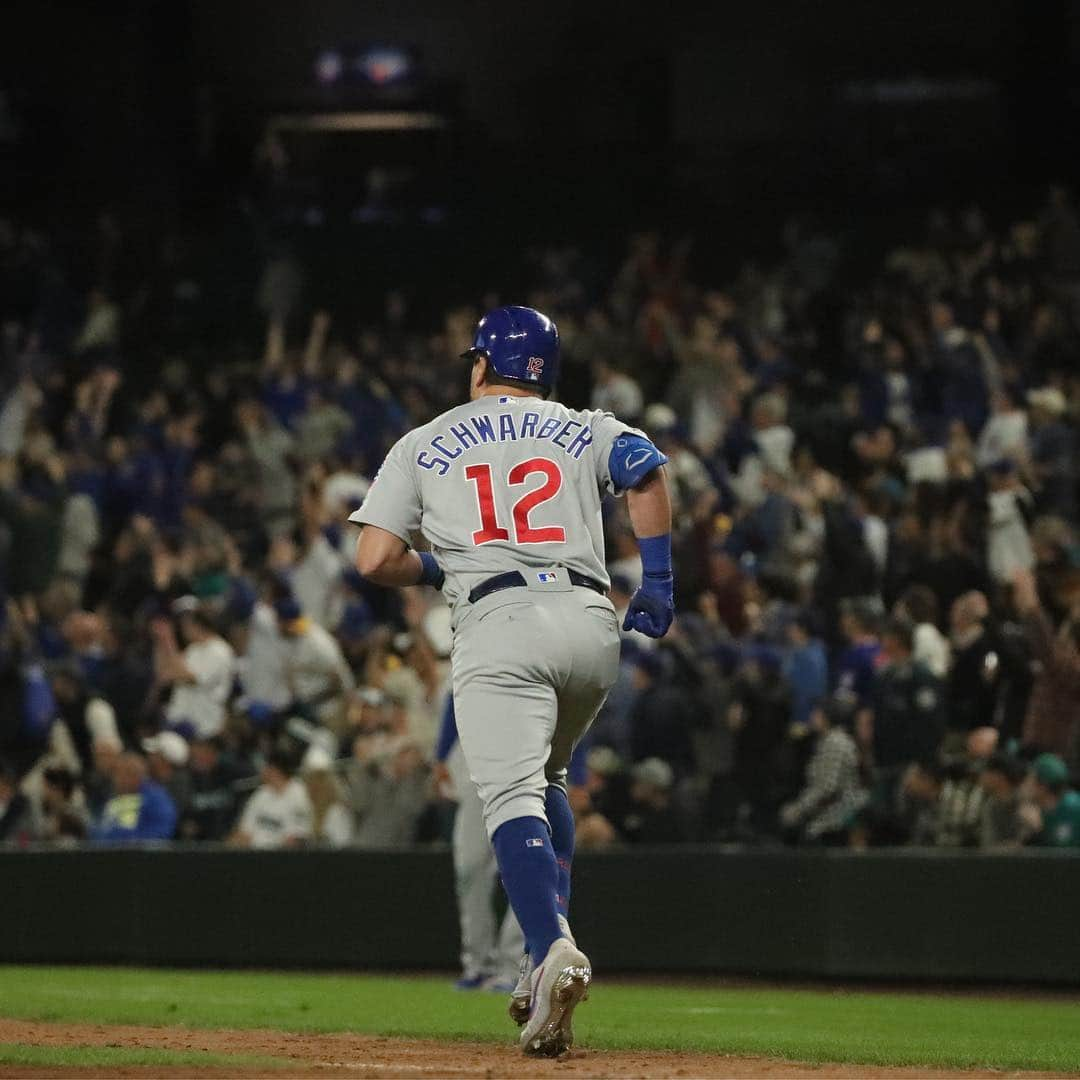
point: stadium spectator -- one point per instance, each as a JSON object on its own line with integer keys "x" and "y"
{"x": 260, "y": 663}
{"x": 1058, "y": 804}
{"x": 18, "y": 822}
{"x": 139, "y": 809}
{"x": 856, "y": 666}
{"x": 1010, "y": 508}
{"x": 805, "y": 667}
{"x": 269, "y": 445}
{"x": 824, "y": 811}
{"x": 61, "y": 808}
{"x": 906, "y": 722}
{"x": 1004, "y": 436}
{"x": 1002, "y": 825}
{"x": 1052, "y": 452}
{"x": 331, "y": 822}
{"x": 607, "y": 786}
{"x": 758, "y": 716}
{"x": 1053, "y": 712}
{"x": 217, "y": 777}
{"x": 315, "y": 670}
{"x": 929, "y": 646}
{"x": 387, "y": 787}
{"x": 200, "y": 676}
{"x": 661, "y": 719}
{"x": 963, "y": 798}
{"x": 916, "y": 810}
{"x": 771, "y": 445}
{"x": 98, "y": 780}
{"x": 616, "y": 392}
{"x": 828, "y": 453}
{"x": 82, "y": 715}
{"x": 650, "y": 817}
{"x": 279, "y": 813}
{"x": 167, "y": 756}
{"x": 972, "y": 687}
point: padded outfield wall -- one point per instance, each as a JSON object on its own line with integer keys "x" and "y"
{"x": 881, "y": 914}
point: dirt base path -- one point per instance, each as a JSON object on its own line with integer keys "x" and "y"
{"x": 373, "y": 1056}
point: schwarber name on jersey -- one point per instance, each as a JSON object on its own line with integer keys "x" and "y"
{"x": 501, "y": 483}
{"x": 573, "y": 436}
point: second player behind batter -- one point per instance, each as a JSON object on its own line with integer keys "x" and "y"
{"x": 507, "y": 490}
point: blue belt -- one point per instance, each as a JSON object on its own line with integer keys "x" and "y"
{"x": 514, "y": 579}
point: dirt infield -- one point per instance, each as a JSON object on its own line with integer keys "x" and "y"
{"x": 370, "y": 1056}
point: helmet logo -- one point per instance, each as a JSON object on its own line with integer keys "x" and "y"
{"x": 535, "y": 365}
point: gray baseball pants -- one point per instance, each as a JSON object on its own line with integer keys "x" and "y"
{"x": 531, "y": 668}
{"x": 485, "y": 947}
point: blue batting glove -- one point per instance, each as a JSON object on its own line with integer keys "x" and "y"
{"x": 432, "y": 572}
{"x": 652, "y": 607}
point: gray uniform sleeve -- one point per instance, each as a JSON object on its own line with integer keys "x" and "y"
{"x": 393, "y": 501}
{"x": 606, "y": 429}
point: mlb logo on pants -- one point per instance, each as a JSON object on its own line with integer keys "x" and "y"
{"x": 534, "y": 841}
{"x": 545, "y": 578}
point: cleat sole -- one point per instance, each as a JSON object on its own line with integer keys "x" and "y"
{"x": 567, "y": 992}
{"x": 519, "y": 1010}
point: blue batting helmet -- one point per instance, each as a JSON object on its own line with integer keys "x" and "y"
{"x": 519, "y": 343}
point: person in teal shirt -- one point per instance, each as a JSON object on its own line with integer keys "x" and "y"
{"x": 1059, "y": 804}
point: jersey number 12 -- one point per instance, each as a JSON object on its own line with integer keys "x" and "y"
{"x": 524, "y": 533}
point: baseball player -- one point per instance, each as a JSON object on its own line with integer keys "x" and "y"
{"x": 489, "y": 952}
{"x": 507, "y": 490}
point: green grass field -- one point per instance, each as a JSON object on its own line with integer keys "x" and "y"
{"x": 806, "y": 1025}
{"x": 87, "y": 1057}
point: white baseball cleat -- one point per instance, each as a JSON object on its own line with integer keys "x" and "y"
{"x": 558, "y": 985}
{"x": 521, "y": 995}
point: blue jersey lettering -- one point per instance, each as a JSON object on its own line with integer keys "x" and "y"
{"x": 484, "y": 428}
{"x": 506, "y": 427}
{"x": 439, "y": 463}
{"x": 579, "y": 442}
{"x": 462, "y": 433}
{"x": 560, "y": 439}
{"x": 451, "y": 454}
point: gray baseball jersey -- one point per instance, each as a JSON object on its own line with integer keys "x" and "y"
{"x": 500, "y": 483}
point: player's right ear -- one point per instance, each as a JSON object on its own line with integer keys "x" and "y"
{"x": 478, "y": 376}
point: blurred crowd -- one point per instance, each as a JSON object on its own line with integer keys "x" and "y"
{"x": 875, "y": 489}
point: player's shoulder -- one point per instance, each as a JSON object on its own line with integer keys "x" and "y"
{"x": 423, "y": 433}
{"x": 582, "y": 416}
{"x": 605, "y": 423}
{"x": 439, "y": 423}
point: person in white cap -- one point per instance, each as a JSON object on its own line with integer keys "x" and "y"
{"x": 1052, "y": 449}
{"x": 331, "y": 823}
{"x": 166, "y": 759}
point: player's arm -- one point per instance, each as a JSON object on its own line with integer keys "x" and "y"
{"x": 391, "y": 512}
{"x": 383, "y": 558}
{"x": 652, "y": 607}
{"x": 649, "y": 505}
{"x": 636, "y": 466}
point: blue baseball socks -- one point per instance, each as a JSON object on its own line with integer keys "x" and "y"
{"x": 561, "y": 819}
{"x": 530, "y": 876}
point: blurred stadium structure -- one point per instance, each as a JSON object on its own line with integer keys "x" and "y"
{"x": 830, "y": 259}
